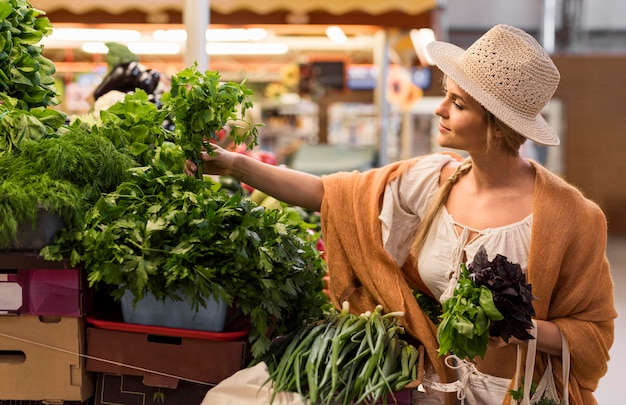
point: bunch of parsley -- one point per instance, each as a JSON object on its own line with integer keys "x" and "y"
{"x": 200, "y": 104}
{"x": 178, "y": 237}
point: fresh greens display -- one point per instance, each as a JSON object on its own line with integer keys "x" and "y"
{"x": 62, "y": 175}
{"x": 34, "y": 124}
{"x": 344, "y": 358}
{"x": 166, "y": 233}
{"x": 134, "y": 125}
{"x": 132, "y": 218}
{"x": 491, "y": 298}
{"x": 25, "y": 74}
{"x": 200, "y": 104}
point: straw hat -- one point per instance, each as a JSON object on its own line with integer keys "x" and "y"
{"x": 509, "y": 73}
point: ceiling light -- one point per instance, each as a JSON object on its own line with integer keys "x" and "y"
{"x": 87, "y": 34}
{"x": 138, "y": 48}
{"x": 243, "y": 48}
{"x": 235, "y": 34}
{"x": 154, "y": 48}
{"x": 170, "y": 35}
{"x": 336, "y": 34}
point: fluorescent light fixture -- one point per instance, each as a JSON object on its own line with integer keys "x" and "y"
{"x": 94, "y": 47}
{"x": 336, "y": 34}
{"x": 170, "y": 35}
{"x": 243, "y": 48}
{"x": 89, "y": 34}
{"x": 235, "y": 34}
{"x": 138, "y": 48}
{"x": 256, "y": 34}
{"x": 154, "y": 48}
{"x": 214, "y": 35}
{"x": 420, "y": 38}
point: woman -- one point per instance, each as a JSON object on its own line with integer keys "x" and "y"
{"x": 409, "y": 224}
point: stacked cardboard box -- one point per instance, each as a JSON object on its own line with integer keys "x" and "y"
{"x": 43, "y": 331}
{"x": 57, "y": 347}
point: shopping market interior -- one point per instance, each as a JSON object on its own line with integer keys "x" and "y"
{"x": 369, "y": 100}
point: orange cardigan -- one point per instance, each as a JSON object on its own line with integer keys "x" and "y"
{"x": 567, "y": 268}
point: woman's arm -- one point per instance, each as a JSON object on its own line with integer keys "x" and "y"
{"x": 548, "y": 339}
{"x": 290, "y": 186}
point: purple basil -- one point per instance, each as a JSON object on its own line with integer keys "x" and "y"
{"x": 512, "y": 296}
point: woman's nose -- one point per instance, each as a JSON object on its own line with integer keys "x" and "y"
{"x": 441, "y": 109}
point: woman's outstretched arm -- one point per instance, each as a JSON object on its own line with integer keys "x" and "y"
{"x": 290, "y": 186}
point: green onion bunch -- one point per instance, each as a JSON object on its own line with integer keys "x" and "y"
{"x": 344, "y": 358}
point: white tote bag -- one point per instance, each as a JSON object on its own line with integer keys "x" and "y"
{"x": 250, "y": 387}
{"x": 546, "y": 387}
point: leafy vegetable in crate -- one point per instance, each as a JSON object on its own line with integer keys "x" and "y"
{"x": 180, "y": 238}
{"x": 490, "y": 299}
{"x": 62, "y": 175}
{"x": 344, "y": 358}
{"x": 200, "y": 105}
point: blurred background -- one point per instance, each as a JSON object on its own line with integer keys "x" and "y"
{"x": 346, "y": 85}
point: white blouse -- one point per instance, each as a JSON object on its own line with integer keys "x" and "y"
{"x": 404, "y": 203}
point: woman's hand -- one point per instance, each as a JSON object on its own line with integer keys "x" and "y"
{"x": 220, "y": 162}
{"x": 289, "y": 186}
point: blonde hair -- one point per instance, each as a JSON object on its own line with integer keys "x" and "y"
{"x": 438, "y": 201}
{"x": 512, "y": 143}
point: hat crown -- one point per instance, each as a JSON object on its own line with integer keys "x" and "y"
{"x": 511, "y": 66}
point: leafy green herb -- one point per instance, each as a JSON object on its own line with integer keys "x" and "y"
{"x": 466, "y": 318}
{"x": 134, "y": 126}
{"x": 25, "y": 74}
{"x": 166, "y": 233}
{"x": 512, "y": 296}
{"x": 62, "y": 174}
{"x": 200, "y": 105}
{"x": 430, "y": 306}
{"x": 491, "y": 298}
{"x": 17, "y": 125}
{"x": 518, "y": 395}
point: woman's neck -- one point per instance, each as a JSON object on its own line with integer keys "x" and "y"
{"x": 500, "y": 170}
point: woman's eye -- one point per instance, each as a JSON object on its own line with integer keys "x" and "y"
{"x": 457, "y": 105}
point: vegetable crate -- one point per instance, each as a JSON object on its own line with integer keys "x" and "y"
{"x": 164, "y": 356}
{"x": 41, "y": 359}
{"x": 174, "y": 314}
{"x": 116, "y": 389}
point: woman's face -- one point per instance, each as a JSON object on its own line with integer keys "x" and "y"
{"x": 463, "y": 124}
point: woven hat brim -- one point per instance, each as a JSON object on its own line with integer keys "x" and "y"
{"x": 447, "y": 56}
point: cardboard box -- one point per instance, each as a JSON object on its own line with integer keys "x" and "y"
{"x": 113, "y": 389}
{"x": 45, "y": 292}
{"x": 41, "y": 359}
{"x": 164, "y": 361}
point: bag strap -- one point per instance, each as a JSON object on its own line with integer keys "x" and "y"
{"x": 531, "y": 353}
